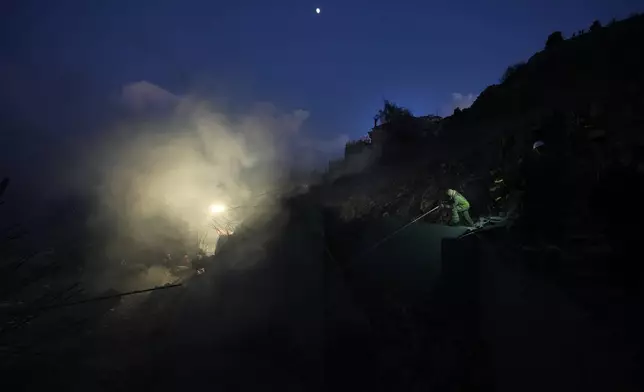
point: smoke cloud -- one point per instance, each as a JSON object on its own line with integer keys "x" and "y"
{"x": 141, "y": 178}
{"x": 177, "y": 156}
{"x": 156, "y": 174}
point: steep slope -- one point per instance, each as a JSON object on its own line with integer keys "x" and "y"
{"x": 597, "y": 76}
{"x": 584, "y": 95}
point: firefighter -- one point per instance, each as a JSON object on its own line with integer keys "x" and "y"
{"x": 498, "y": 191}
{"x": 459, "y": 205}
{"x": 543, "y": 206}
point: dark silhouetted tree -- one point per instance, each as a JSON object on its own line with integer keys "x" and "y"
{"x": 554, "y": 39}
{"x": 510, "y": 71}
{"x": 457, "y": 111}
{"x": 353, "y": 147}
{"x": 391, "y": 113}
{"x": 595, "y": 26}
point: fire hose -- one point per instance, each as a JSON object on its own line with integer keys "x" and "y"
{"x": 392, "y": 234}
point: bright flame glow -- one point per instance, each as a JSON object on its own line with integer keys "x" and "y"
{"x": 317, "y": 10}
{"x": 217, "y": 208}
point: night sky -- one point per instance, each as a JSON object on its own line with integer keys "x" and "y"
{"x": 60, "y": 61}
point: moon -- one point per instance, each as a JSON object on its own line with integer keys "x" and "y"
{"x": 317, "y": 10}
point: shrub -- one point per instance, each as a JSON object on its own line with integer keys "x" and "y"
{"x": 554, "y": 39}
{"x": 355, "y": 146}
{"x": 391, "y": 113}
{"x": 511, "y": 71}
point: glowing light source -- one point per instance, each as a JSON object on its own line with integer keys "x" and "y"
{"x": 317, "y": 10}
{"x": 217, "y": 208}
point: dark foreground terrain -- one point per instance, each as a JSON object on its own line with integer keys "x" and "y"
{"x": 300, "y": 309}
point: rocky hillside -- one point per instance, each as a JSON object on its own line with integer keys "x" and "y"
{"x": 584, "y": 94}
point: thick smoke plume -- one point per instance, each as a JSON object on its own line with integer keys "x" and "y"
{"x": 158, "y": 173}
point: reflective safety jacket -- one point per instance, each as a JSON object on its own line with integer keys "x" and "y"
{"x": 460, "y": 201}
